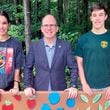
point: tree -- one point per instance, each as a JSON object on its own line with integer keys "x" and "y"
{"x": 17, "y": 11}
{"x": 85, "y": 14}
{"x": 48, "y": 5}
{"x": 27, "y": 24}
{"x": 78, "y": 11}
{"x": 60, "y": 11}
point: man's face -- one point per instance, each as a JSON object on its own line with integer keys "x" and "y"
{"x": 49, "y": 27}
{"x": 98, "y": 18}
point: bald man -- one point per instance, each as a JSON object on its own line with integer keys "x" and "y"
{"x": 50, "y": 56}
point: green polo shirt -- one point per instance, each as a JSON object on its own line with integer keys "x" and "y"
{"x": 95, "y": 51}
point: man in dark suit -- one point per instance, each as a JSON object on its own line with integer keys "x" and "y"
{"x": 50, "y": 56}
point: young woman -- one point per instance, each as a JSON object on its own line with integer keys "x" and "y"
{"x": 10, "y": 57}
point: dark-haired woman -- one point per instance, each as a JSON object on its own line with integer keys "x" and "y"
{"x": 10, "y": 57}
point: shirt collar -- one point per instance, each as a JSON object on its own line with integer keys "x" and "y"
{"x": 53, "y": 45}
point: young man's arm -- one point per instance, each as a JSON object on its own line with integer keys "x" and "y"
{"x": 85, "y": 86}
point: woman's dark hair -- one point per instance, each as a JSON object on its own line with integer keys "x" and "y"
{"x": 5, "y": 14}
{"x": 99, "y": 6}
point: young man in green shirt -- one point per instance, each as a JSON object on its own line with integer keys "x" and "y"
{"x": 93, "y": 54}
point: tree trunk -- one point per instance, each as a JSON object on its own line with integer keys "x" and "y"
{"x": 78, "y": 11}
{"x": 85, "y": 14}
{"x": 60, "y": 11}
{"x": 65, "y": 11}
{"x": 27, "y": 24}
{"x": 48, "y": 6}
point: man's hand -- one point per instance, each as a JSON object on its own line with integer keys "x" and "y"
{"x": 29, "y": 92}
{"x": 72, "y": 92}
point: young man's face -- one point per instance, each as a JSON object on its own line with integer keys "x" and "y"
{"x": 98, "y": 18}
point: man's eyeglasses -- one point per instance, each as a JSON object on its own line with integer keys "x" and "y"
{"x": 49, "y": 25}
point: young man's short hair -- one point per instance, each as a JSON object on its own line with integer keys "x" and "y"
{"x": 99, "y": 6}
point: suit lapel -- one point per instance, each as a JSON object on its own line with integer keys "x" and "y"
{"x": 43, "y": 53}
{"x": 57, "y": 52}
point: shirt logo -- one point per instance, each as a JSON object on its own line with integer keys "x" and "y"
{"x": 6, "y": 60}
{"x": 104, "y": 44}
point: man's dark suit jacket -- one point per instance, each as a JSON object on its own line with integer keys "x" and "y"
{"x": 37, "y": 58}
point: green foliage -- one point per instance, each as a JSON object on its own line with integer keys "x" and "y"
{"x": 18, "y": 14}
{"x": 12, "y": 11}
{"x": 71, "y": 37}
{"x": 17, "y": 32}
{"x": 6, "y": 7}
{"x": 35, "y": 28}
{"x": 67, "y": 74}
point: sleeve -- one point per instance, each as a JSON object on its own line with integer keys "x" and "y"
{"x": 28, "y": 68}
{"x": 19, "y": 56}
{"x": 72, "y": 65}
{"x": 78, "y": 49}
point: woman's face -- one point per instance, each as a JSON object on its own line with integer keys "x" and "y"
{"x": 4, "y": 25}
